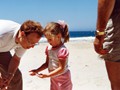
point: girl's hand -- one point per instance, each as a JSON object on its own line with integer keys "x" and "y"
{"x": 33, "y": 72}
{"x": 42, "y": 75}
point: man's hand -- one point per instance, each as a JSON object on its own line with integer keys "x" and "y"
{"x": 5, "y": 81}
{"x": 2, "y": 86}
{"x": 98, "y": 45}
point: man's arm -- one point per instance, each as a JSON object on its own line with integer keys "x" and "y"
{"x": 13, "y": 65}
{"x": 105, "y": 8}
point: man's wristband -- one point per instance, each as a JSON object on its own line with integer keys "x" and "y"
{"x": 99, "y": 33}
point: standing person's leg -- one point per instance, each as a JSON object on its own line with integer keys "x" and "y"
{"x": 16, "y": 83}
{"x": 113, "y": 70}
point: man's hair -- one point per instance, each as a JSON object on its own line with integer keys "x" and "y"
{"x": 30, "y": 26}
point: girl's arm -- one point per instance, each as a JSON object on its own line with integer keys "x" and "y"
{"x": 62, "y": 56}
{"x": 41, "y": 68}
{"x": 57, "y": 71}
{"x": 44, "y": 66}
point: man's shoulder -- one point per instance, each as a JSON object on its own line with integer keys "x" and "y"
{"x": 7, "y": 26}
{"x": 8, "y": 23}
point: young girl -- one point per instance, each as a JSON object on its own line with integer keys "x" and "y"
{"x": 56, "y": 57}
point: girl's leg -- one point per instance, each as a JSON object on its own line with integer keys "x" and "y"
{"x": 54, "y": 84}
{"x": 62, "y": 82}
{"x": 67, "y": 83}
{"x": 113, "y": 70}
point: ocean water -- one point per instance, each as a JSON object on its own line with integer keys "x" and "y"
{"x": 74, "y": 34}
{"x": 78, "y": 36}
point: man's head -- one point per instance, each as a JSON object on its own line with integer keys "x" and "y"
{"x": 29, "y": 34}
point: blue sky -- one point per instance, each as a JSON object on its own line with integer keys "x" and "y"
{"x": 79, "y": 14}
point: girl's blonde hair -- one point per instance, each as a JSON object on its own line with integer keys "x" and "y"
{"x": 56, "y": 28}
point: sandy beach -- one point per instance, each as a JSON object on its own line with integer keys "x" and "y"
{"x": 88, "y": 72}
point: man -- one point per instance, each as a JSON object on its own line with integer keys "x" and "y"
{"x": 107, "y": 40}
{"x": 20, "y": 38}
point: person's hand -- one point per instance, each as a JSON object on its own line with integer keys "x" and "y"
{"x": 5, "y": 81}
{"x": 42, "y": 75}
{"x": 2, "y": 85}
{"x": 98, "y": 45}
{"x": 4, "y": 88}
{"x": 33, "y": 72}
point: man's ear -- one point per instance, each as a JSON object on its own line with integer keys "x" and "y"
{"x": 21, "y": 33}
